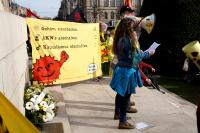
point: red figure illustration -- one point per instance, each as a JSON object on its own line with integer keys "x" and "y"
{"x": 47, "y": 69}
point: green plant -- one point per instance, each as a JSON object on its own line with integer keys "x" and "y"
{"x": 39, "y": 106}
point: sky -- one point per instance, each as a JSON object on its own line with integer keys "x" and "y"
{"x": 44, "y": 8}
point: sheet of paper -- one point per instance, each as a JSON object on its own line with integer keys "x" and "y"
{"x": 142, "y": 126}
{"x": 153, "y": 47}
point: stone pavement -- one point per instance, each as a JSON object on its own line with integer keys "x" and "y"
{"x": 88, "y": 106}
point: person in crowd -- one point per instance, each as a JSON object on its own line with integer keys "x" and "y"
{"x": 102, "y": 31}
{"x": 126, "y": 76}
{"x": 111, "y": 55}
{"x": 190, "y": 71}
{"x": 104, "y": 48}
{"x": 147, "y": 78}
{"x": 144, "y": 70}
{"x": 126, "y": 12}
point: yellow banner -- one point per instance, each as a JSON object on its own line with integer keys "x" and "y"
{"x": 64, "y": 52}
{"x": 11, "y": 120}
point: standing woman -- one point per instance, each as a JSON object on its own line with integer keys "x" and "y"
{"x": 126, "y": 75}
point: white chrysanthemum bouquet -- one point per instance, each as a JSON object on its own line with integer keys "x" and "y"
{"x": 39, "y": 105}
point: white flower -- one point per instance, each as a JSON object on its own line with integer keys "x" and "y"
{"x": 35, "y": 96}
{"x": 40, "y": 97}
{"x": 45, "y": 108}
{"x": 37, "y": 90}
{"x": 43, "y": 103}
{"x": 52, "y": 106}
{"x": 36, "y": 107}
{"x": 49, "y": 116}
{"x": 53, "y": 114}
{"x": 29, "y": 105}
{"x": 40, "y": 103}
{"x": 44, "y": 118}
{"x": 33, "y": 100}
{"x": 29, "y": 91}
{"x": 49, "y": 110}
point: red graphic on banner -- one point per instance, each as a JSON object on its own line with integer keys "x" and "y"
{"x": 47, "y": 69}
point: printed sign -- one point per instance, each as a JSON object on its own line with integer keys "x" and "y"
{"x": 64, "y": 52}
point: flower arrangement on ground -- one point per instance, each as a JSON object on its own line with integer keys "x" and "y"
{"x": 40, "y": 106}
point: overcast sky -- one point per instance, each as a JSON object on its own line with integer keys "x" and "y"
{"x": 44, "y": 8}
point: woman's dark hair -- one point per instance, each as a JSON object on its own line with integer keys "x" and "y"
{"x": 125, "y": 28}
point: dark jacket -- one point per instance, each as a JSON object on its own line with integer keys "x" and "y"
{"x": 124, "y": 56}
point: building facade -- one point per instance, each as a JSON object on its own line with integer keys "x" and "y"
{"x": 63, "y": 10}
{"x": 96, "y": 10}
{"x": 5, "y": 4}
{"x": 17, "y": 9}
{"x": 10, "y": 6}
{"x": 106, "y": 10}
{"x": 67, "y": 6}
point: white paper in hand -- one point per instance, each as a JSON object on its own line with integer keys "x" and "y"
{"x": 153, "y": 47}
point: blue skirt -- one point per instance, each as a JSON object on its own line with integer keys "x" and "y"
{"x": 125, "y": 80}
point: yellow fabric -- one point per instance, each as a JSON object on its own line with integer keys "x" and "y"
{"x": 110, "y": 44}
{"x": 104, "y": 48}
{"x": 111, "y": 55}
{"x": 12, "y": 120}
{"x": 73, "y": 49}
{"x": 117, "y": 23}
{"x": 102, "y": 36}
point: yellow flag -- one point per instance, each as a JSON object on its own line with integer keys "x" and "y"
{"x": 64, "y": 52}
{"x": 11, "y": 120}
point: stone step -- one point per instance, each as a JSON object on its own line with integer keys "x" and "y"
{"x": 60, "y": 123}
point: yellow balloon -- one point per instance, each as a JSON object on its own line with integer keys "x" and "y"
{"x": 192, "y": 51}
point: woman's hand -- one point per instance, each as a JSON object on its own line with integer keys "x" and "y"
{"x": 148, "y": 81}
{"x": 152, "y": 69}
